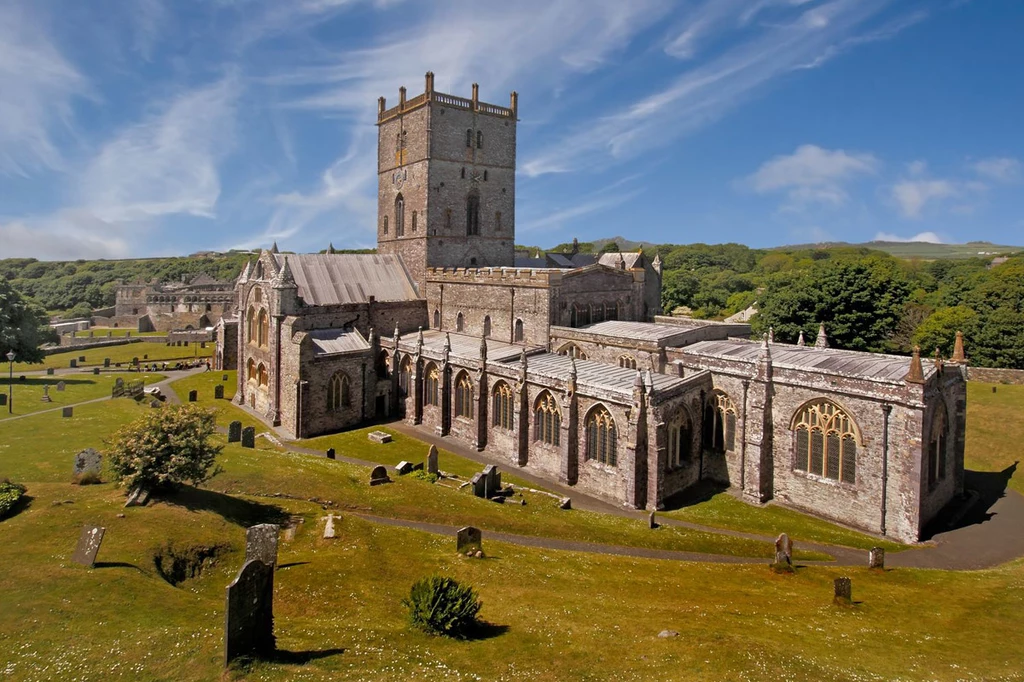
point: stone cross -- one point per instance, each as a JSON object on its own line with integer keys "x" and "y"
{"x": 218, "y": 392}
{"x": 479, "y": 482}
{"x": 46, "y": 394}
{"x": 783, "y": 550}
{"x": 87, "y": 461}
{"x": 468, "y": 539}
{"x": 843, "y": 591}
{"x": 876, "y": 558}
{"x": 234, "y": 432}
{"x": 379, "y": 475}
{"x": 249, "y": 437}
{"x": 88, "y": 545}
{"x": 261, "y": 543}
{"x": 249, "y": 613}
{"x": 432, "y": 461}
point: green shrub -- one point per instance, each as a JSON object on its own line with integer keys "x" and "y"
{"x": 10, "y": 493}
{"x": 442, "y": 606}
{"x": 88, "y": 478}
{"x": 422, "y": 475}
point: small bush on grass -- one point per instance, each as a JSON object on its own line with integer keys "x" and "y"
{"x": 442, "y": 606}
{"x": 88, "y": 478}
{"x": 422, "y": 475}
{"x": 10, "y": 493}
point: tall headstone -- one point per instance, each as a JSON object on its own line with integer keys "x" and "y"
{"x": 106, "y": 362}
{"x": 67, "y": 412}
{"x": 87, "y": 461}
{"x": 493, "y": 478}
{"x": 88, "y": 545}
{"x": 249, "y": 437}
{"x": 843, "y": 591}
{"x": 193, "y": 395}
{"x": 261, "y": 543}
{"x": 432, "y": 461}
{"x": 469, "y": 539}
{"x": 218, "y": 392}
{"x": 379, "y": 475}
{"x": 331, "y": 453}
{"x": 249, "y": 613}
{"x": 479, "y": 483}
{"x": 876, "y": 558}
{"x": 234, "y": 432}
{"x": 783, "y": 550}
{"x": 81, "y": 358}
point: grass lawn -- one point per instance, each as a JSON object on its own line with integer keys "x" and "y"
{"x": 995, "y": 429}
{"x": 77, "y": 388}
{"x": 123, "y": 354}
{"x": 225, "y": 410}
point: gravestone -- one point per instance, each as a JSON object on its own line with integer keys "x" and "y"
{"x": 155, "y": 404}
{"x": 110, "y": 334}
{"x": 261, "y": 543}
{"x": 46, "y": 394}
{"x": 380, "y": 437}
{"x": 106, "y": 362}
{"x": 234, "y": 432}
{"x": 493, "y": 477}
{"x": 88, "y": 545}
{"x": 49, "y": 371}
{"x": 329, "y": 528}
{"x": 249, "y": 613}
{"x": 783, "y": 550}
{"x": 432, "y": 461}
{"x": 843, "y": 591}
{"x": 60, "y": 386}
{"x": 876, "y": 558}
{"x": 92, "y": 334}
{"x": 403, "y": 467}
{"x": 67, "y": 412}
{"x": 81, "y": 358}
{"x": 330, "y": 453}
{"x": 193, "y": 395}
{"x": 249, "y": 437}
{"x": 651, "y": 521}
{"x": 379, "y": 475}
{"x": 87, "y": 461}
{"x": 145, "y": 356}
{"x": 73, "y": 363}
{"x": 565, "y": 503}
{"x": 418, "y": 466}
{"x": 137, "y": 497}
{"x": 479, "y": 482}
{"x": 3, "y": 399}
{"x": 224, "y": 377}
{"x": 95, "y": 370}
{"x": 468, "y": 539}
{"x": 203, "y": 344}
{"x": 218, "y": 392}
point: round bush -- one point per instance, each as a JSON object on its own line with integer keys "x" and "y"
{"x": 442, "y": 606}
{"x": 10, "y": 493}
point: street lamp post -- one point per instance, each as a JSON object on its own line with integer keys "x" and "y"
{"x": 10, "y": 383}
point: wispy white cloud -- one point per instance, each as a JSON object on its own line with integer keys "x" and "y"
{"x": 38, "y": 86}
{"x": 812, "y": 174}
{"x": 64, "y": 235}
{"x": 560, "y": 218}
{"x": 1000, "y": 169}
{"x": 913, "y": 196}
{"x": 929, "y": 237}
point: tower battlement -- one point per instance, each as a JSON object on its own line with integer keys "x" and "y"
{"x": 430, "y": 95}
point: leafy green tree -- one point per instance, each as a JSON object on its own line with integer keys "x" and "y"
{"x": 939, "y": 329}
{"x": 165, "y": 447}
{"x": 23, "y": 326}
{"x": 610, "y": 247}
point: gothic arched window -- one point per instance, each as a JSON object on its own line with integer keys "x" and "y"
{"x": 627, "y": 361}
{"x": 437, "y": 318}
{"x": 430, "y": 384}
{"x": 414, "y": 221}
{"x": 251, "y": 325}
{"x": 547, "y": 420}
{"x": 573, "y": 351}
{"x": 469, "y": 137}
{"x": 825, "y": 441}
{"x": 399, "y": 215}
{"x": 384, "y": 364}
{"x": 262, "y": 377}
{"x": 250, "y": 370}
{"x": 385, "y": 224}
{"x": 464, "y": 396}
{"x": 680, "y": 439}
{"x": 338, "y": 392}
{"x": 487, "y": 325}
{"x": 479, "y": 139}
{"x": 519, "y": 333}
{"x": 262, "y": 329}
{"x": 601, "y": 437}
{"x": 502, "y": 405}
{"x": 719, "y": 424}
{"x": 460, "y": 322}
{"x": 473, "y": 213}
{"x": 405, "y": 375}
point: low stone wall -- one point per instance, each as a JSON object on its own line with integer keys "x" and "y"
{"x": 86, "y": 344}
{"x": 995, "y": 375}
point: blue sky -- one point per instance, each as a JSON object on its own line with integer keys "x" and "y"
{"x": 162, "y": 127}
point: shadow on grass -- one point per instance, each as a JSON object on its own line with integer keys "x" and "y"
{"x": 982, "y": 490}
{"x": 702, "y": 491}
{"x": 482, "y": 630}
{"x": 23, "y": 503}
{"x": 117, "y": 564}
{"x": 301, "y": 657}
{"x": 232, "y": 509}
{"x": 292, "y": 564}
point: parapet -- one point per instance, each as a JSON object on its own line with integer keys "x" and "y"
{"x": 538, "y": 277}
{"x": 430, "y": 95}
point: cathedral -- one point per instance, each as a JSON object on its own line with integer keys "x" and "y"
{"x": 562, "y": 364}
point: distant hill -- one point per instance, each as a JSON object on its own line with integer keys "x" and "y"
{"x": 923, "y": 250}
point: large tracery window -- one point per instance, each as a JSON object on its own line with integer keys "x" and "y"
{"x": 601, "y": 436}
{"x": 430, "y": 385}
{"x": 464, "y": 396}
{"x": 680, "y": 439}
{"x": 547, "y": 420}
{"x": 825, "y": 441}
{"x": 502, "y": 405}
{"x": 719, "y": 424}
{"x": 262, "y": 329}
{"x": 937, "y": 444}
{"x": 339, "y": 393}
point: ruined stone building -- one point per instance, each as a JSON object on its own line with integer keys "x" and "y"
{"x": 561, "y": 364}
{"x": 193, "y": 304}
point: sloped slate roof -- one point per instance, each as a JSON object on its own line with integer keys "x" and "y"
{"x": 642, "y": 331}
{"x": 592, "y": 374}
{"x": 612, "y": 259}
{"x": 336, "y": 279}
{"x": 888, "y": 368}
{"x": 463, "y": 346}
{"x": 328, "y": 341}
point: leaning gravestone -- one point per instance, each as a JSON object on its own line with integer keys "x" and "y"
{"x": 249, "y": 437}
{"x": 67, "y": 412}
{"x": 876, "y": 558}
{"x": 432, "y": 461}
{"x": 193, "y": 395}
{"x": 218, "y": 391}
{"x": 261, "y": 543}
{"x": 88, "y": 545}
{"x": 60, "y": 386}
{"x": 468, "y": 539}
{"x": 783, "y": 550}
{"x": 88, "y": 461}
{"x": 379, "y": 475}
{"x": 137, "y": 497}
{"x": 249, "y": 613}
{"x": 479, "y": 482}
{"x": 234, "y": 432}
{"x": 403, "y": 468}
{"x": 843, "y": 591}
{"x": 493, "y": 477}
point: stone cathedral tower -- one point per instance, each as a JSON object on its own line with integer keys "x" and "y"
{"x": 446, "y": 170}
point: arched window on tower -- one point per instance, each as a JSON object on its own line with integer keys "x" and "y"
{"x": 464, "y": 396}
{"x": 547, "y": 420}
{"x": 825, "y": 441}
{"x": 460, "y": 322}
{"x": 473, "y": 213}
{"x": 519, "y": 334}
{"x": 399, "y": 215}
{"x": 479, "y": 139}
{"x": 719, "y": 433}
{"x": 414, "y": 221}
{"x": 437, "y": 318}
{"x": 469, "y": 137}
{"x": 601, "y": 436}
{"x": 385, "y": 224}
{"x": 502, "y": 405}
{"x": 487, "y": 325}
{"x": 937, "y": 445}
